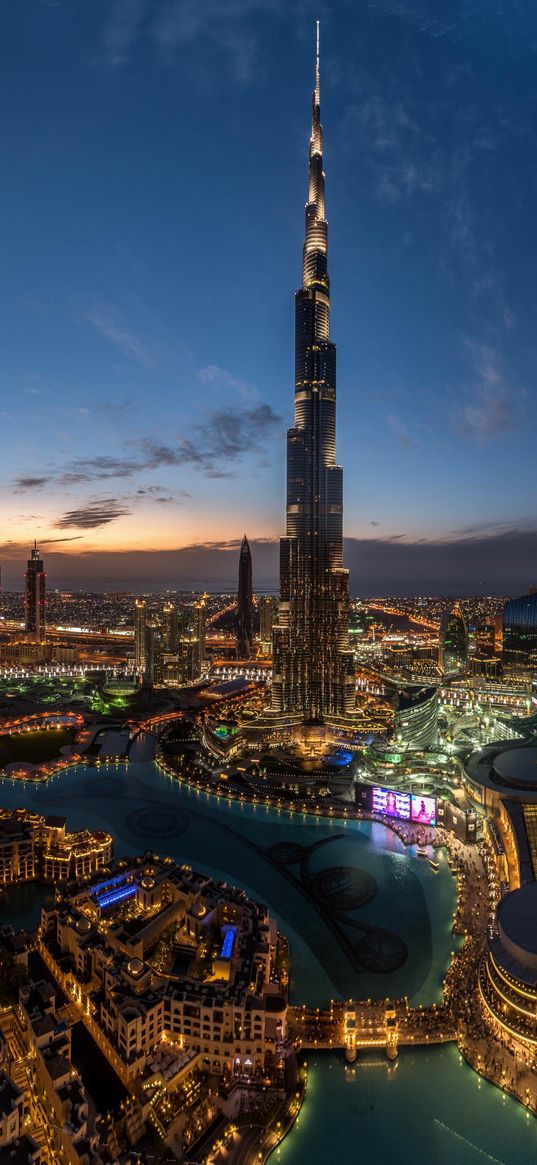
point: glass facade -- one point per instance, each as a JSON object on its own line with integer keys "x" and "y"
{"x": 453, "y": 644}
{"x": 245, "y": 600}
{"x": 313, "y": 669}
{"x": 35, "y": 596}
{"x": 520, "y": 636}
{"x": 416, "y": 718}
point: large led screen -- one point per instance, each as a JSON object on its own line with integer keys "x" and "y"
{"x": 391, "y": 803}
{"x": 423, "y": 809}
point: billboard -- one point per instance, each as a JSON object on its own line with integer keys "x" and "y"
{"x": 391, "y": 803}
{"x": 423, "y": 809}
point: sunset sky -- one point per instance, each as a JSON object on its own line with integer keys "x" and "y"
{"x": 154, "y": 179}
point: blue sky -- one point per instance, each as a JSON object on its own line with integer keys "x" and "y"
{"x": 154, "y": 161}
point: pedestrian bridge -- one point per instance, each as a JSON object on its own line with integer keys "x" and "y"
{"x": 369, "y": 1024}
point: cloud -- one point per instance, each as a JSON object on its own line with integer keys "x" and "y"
{"x": 401, "y": 432}
{"x": 400, "y": 151}
{"x": 494, "y": 407}
{"x": 112, "y": 326}
{"x": 121, "y": 29}
{"x": 214, "y": 447}
{"x": 226, "y": 24}
{"x": 93, "y": 515}
{"x": 221, "y": 378}
{"x": 490, "y": 563}
{"x": 25, "y": 484}
{"x": 49, "y": 541}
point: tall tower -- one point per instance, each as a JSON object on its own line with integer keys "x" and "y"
{"x": 268, "y": 609}
{"x": 245, "y": 603}
{"x": 313, "y": 668}
{"x": 170, "y": 627}
{"x": 35, "y": 581}
{"x": 140, "y": 621}
{"x": 199, "y": 631}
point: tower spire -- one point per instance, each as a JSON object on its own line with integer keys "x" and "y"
{"x": 317, "y": 67}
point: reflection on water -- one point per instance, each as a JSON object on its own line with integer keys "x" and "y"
{"x": 430, "y": 1106}
{"x": 328, "y": 898}
{"x": 20, "y": 906}
{"x": 385, "y": 931}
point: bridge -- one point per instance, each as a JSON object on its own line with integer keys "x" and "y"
{"x": 367, "y": 1024}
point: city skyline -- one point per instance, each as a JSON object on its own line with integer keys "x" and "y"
{"x": 431, "y": 201}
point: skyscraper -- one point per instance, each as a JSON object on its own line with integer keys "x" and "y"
{"x": 245, "y": 603}
{"x": 268, "y": 610}
{"x": 153, "y": 668}
{"x": 140, "y": 620}
{"x": 198, "y": 635}
{"x": 313, "y": 669}
{"x": 35, "y": 581}
{"x": 170, "y": 627}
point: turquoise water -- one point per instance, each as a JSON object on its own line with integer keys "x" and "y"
{"x": 430, "y": 1107}
{"x": 145, "y": 809}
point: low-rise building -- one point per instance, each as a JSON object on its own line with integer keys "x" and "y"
{"x": 158, "y": 953}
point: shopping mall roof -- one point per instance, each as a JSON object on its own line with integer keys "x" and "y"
{"x": 517, "y": 923}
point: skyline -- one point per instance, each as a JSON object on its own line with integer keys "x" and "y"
{"x": 146, "y": 410}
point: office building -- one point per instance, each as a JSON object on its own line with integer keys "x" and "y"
{"x": 268, "y": 613}
{"x": 140, "y": 618}
{"x": 245, "y": 603}
{"x": 520, "y": 636}
{"x": 35, "y": 596}
{"x": 171, "y": 627}
{"x": 416, "y": 718}
{"x": 198, "y": 637}
{"x": 453, "y": 643}
{"x": 154, "y": 653}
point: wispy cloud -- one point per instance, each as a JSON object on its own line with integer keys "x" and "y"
{"x": 219, "y": 377}
{"x": 93, "y": 515}
{"x": 111, "y": 325}
{"x": 213, "y": 449}
{"x": 494, "y": 408}
{"x": 400, "y": 431}
{"x": 24, "y": 484}
{"x": 122, "y": 26}
{"x": 229, "y": 25}
{"x": 399, "y": 150}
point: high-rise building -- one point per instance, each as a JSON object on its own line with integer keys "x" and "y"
{"x": 154, "y": 662}
{"x": 245, "y": 603}
{"x": 35, "y": 581}
{"x": 268, "y": 611}
{"x": 520, "y": 636}
{"x": 198, "y": 656}
{"x": 453, "y": 642}
{"x": 140, "y": 620}
{"x": 313, "y": 670}
{"x": 170, "y": 627}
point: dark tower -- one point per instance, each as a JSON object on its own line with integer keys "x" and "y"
{"x": 312, "y": 667}
{"x": 245, "y": 603}
{"x": 34, "y": 595}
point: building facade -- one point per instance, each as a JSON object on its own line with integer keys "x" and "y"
{"x": 453, "y": 643}
{"x": 35, "y": 581}
{"x": 520, "y": 637}
{"x": 245, "y": 603}
{"x": 416, "y": 718}
{"x": 268, "y": 613}
{"x": 140, "y": 619}
{"x": 313, "y": 671}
